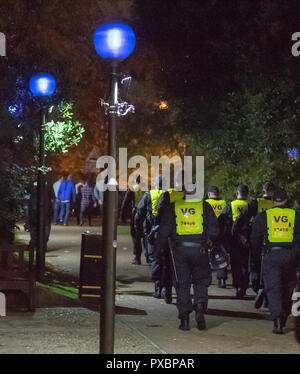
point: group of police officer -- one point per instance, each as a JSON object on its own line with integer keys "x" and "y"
{"x": 184, "y": 237}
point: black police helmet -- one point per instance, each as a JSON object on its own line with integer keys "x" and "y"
{"x": 268, "y": 187}
{"x": 213, "y": 189}
{"x": 280, "y": 195}
{"x": 243, "y": 189}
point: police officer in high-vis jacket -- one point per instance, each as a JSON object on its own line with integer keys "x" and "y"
{"x": 190, "y": 225}
{"x": 247, "y": 216}
{"x": 276, "y": 232}
{"x": 256, "y": 206}
{"x": 130, "y": 202}
{"x": 239, "y": 245}
{"x": 159, "y": 261}
{"x": 218, "y": 206}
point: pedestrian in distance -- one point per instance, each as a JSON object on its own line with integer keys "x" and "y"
{"x": 130, "y": 203}
{"x": 56, "y": 204}
{"x": 88, "y": 201}
{"x": 78, "y": 187}
{"x": 66, "y": 194}
{"x": 99, "y": 194}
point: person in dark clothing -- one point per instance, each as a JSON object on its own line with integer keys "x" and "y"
{"x": 246, "y": 217}
{"x": 130, "y": 203}
{"x": 78, "y": 187}
{"x": 160, "y": 263}
{"x": 255, "y": 206}
{"x": 88, "y": 202}
{"x": 218, "y": 206}
{"x": 189, "y": 226}
{"x": 277, "y": 233}
{"x": 238, "y": 241}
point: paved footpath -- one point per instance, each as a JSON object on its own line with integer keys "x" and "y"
{"x": 143, "y": 324}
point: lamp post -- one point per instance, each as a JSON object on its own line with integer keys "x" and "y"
{"x": 41, "y": 85}
{"x": 113, "y": 42}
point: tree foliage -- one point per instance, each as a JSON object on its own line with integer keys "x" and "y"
{"x": 249, "y": 138}
{"x": 63, "y": 133}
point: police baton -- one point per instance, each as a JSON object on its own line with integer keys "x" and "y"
{"x": 259, "y": 298}
{"x": 173, "y": 261}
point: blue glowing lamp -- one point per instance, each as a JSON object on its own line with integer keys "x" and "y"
{"x": 42, "y": 84}
{"x": 292, "y": 152}
{"x": 114, "y": 40}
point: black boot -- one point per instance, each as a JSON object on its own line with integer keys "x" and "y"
{"x": 166, "y": 293}
{"x": 200, "y": 311}
{"x": 284, "y": 318}
{"x": 157, "y": 290}
{"x": 266, "y": 304}
{"x": 240, "y": 293}
{"x": 259, "y": 298}
{"x": 184, "y": 323}
{"x": 221, "y": 283}
{"x": 278, "y": 326}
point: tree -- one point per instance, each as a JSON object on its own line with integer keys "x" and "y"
{"x": 63, "y": 133}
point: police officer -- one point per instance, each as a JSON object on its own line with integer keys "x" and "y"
{"x": 130, "y": 202}
{"x": 248, "y": 214}
{"x": 190, "y": 225}
{"x": 159, "y": 261}
{"x": 239, "y": 245}
{"x": 279, "y": 228}
{"x": 218, "y": 206}
{"x": 256, "y": 206}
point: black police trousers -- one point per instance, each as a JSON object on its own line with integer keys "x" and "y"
{"x": 222, "y": 273}
{"x": 280, "y": 279}
{"x": 160, "y": 264}
{"x": 239, "y": 259}
{"x": 138, "y": 240}
{"x": 191, "y": 268}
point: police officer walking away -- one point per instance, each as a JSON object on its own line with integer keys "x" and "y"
{"x": 239, "y": 245}
{"x": 191, "y": 225}
{"x": 130, "y": 202}
{"x": 218, "y": 206}
{"x": 277, "y": 230}
{"x": 159, "y": 260}
{"x": 246, "y": 218}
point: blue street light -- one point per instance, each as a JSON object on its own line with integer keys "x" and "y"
{"x": 114, "y": 40}
{"x": 42, "y": 84}
{"x": 292, "y": 152}
{"x": 15, "y": 109}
